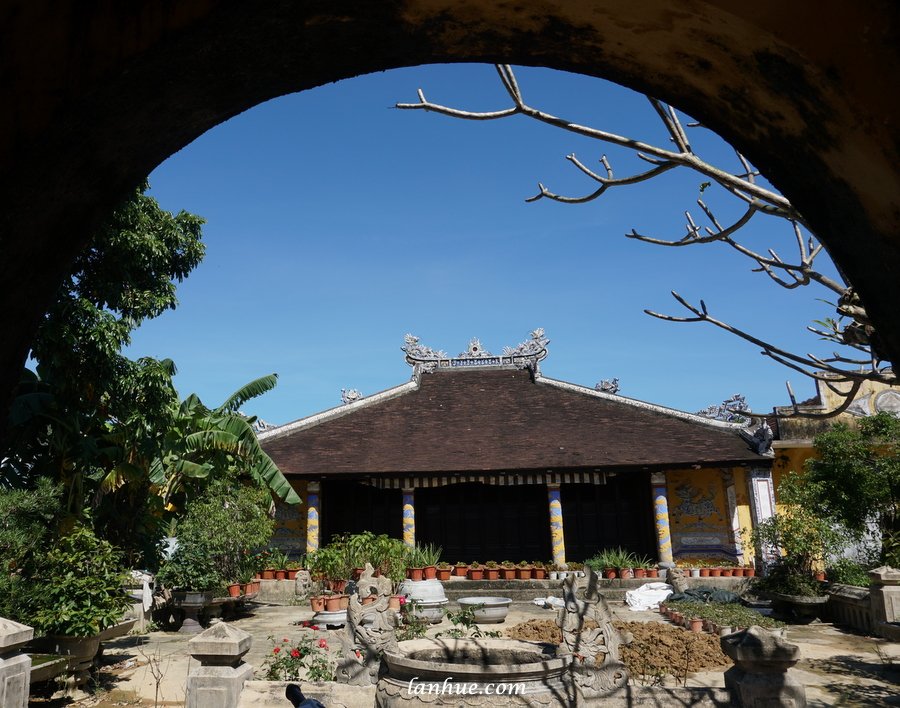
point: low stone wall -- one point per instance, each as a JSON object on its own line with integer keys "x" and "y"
{"x": 849, "y": 605}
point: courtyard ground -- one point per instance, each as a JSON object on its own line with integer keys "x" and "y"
{"x": 840, "y": 667}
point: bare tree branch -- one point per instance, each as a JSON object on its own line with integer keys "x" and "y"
{"x": 859, "y": 334}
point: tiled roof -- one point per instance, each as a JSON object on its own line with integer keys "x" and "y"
{"x": 499, "y": 420}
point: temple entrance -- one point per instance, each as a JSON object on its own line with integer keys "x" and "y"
{"x": 482, "y": 522}
{"x": 349, "y": 506}
{"x": 618, "y": 513}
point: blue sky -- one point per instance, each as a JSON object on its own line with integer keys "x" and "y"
{"x": 337, "y": 224}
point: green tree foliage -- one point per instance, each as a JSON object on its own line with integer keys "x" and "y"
{"x": 227, "y": 520}
{"x": 855, "y": 479}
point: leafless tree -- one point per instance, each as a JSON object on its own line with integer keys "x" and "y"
{"x": 863, "y": 364}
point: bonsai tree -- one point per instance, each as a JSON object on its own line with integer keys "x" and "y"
{"x": 190, "y": 568}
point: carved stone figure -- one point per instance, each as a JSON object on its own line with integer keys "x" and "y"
{"x": 583, "y": 601}
{"x": 370, "y": 631}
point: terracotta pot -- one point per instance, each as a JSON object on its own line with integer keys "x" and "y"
{"x": 704, "y": 572}
{"x": 539, "y": 573}
{"x": 737, "y": 572}
{"x": 345, "y": 602}
{"x": 256, "y": 585}
{"x": 370, "y": 598}
{"x": 444, "y": 573}
{"x": 726, "y": 572}
{"x": 280, "y": 574}
{"x": 415, "y": 573}
{"x": 248, "y": 588}
{"x": 291, "y": 574}
{"x": 696, "y": 624}
{"x": 459, "y": 571}
{"x": 609, "y": 573}
{"x": 820, "y": 576}
{"x": 357, "y": 573}
{"x": 234, "y": 590}
{"x": 394, "y": 602}
{"x": 430, "y": 572}
{"x": 508, "y": 573}
{"x": 258, "y": 576}
{"x": 337, "y": 585}
{"x": 715, "y": 572}
{"x": 523, "y": 573}
{"x": 652, "y": 573}
{"x": 332, "y": 603}
{"x": 475, "y": 573}
{"x": 749, "y": 572}
{"x": 624, "y": 573}
{"x": 268, "y": 574}
{"x": 491, "y": 573}
{"x": 640, "y": 572}
{"x": 317, "y": 602}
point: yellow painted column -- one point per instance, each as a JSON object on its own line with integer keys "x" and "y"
{"x": 409, "y": 517}
{"x": 661, "y": 514}
{"x": 313, "y": 500}
{"x": 557, "y": 539}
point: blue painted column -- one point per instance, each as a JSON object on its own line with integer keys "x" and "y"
{"x": 557, "y": 539}
{"x": 409, "y": 517}
{"x": 661, "y": 514}
{"x": 313, "y": 500}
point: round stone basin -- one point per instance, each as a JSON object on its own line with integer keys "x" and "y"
{"x": 476, "y": 660}
{"x": 494, "y": 611}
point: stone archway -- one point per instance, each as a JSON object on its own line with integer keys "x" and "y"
{"x": 92, "y": 100}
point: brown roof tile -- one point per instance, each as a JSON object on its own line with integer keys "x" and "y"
{"x": 500, "y": 420}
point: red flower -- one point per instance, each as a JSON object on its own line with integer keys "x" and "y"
{"x": 295, "y": 653}
{"x": 284, "y": 640}
{"x": 315, "y": 626}
{"x": 323, "y": 644}
{"x": 276, "y": 650}
{"x": 304, "y": 624}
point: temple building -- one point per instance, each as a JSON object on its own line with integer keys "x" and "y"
{"x": 484, "y": 456}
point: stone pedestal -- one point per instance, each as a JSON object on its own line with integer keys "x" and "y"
{"x": 884, "y": 594}
{"x": 759, "y": 677}
{"x": 218, "y": 682}
{"x": 15, "y": 667}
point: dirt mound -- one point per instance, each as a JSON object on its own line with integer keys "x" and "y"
{"x": 657, "y": 649}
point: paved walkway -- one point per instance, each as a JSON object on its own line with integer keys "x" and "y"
{"x": 840, "y": 667}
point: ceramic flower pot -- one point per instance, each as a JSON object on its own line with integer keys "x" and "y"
{"x": 459, "y": 571}
{"x": 491, "y": 573}
{"x": 523, "y": 573}
{"x": 317, "y": 602}
{"x": 430, "y": 572}
{"x": 444, "y": 574}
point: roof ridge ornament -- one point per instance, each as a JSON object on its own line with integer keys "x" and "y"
{"x": 731, "y": 410}
{"x": 526, "y": 355}
{"x": 350, "y": 396}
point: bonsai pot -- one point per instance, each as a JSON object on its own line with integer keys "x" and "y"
{"x": 192, "y": 602}
{"x": 494, "y": 611}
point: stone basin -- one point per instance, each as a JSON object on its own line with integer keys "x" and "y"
{"x": 494, "y": 611}
{"x": 438, "y": 671}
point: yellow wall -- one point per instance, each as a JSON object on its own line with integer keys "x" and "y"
{"x": 698, "y": 515}
{"x": 290, "y": 523}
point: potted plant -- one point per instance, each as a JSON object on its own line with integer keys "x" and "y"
{"x": 523, "y": 571}
{"x": 415, "y": 564}
{"x": 640, "y": 565}
{"x": 507, "y": 570}
{"x": 443, "y": 571}
{"x": 430, "y": 555}
{"x": 538, "y": 570}
{"x": 475, "y": 571}
{"x": 70, "y": 594}
{"x": 491, "y": 570}
{"x": 460, "y": 569}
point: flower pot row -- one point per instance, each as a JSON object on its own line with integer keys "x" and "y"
{"x": 483, "y": 572}
{"x": 341, "y": 601}
{"x": 624, "y": 573}
{"x": 277, "y": 574}
{"x": 717, "y": 619}
{"x": 239, "y": 589}
{"x": 722, "y": 572}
